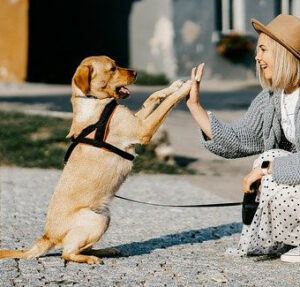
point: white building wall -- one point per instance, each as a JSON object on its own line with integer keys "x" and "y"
{"x": 152, "y": 37}
{"x": 173, "y": 36}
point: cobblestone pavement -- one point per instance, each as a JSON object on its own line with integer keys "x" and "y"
{"x": 159, "y": 246}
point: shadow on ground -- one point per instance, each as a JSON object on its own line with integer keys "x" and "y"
{"x": 186, "y": 237}
{"x": 176, "y": 239}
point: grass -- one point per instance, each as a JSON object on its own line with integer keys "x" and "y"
{"x": 32, "y": 141}
{"x": 39, "y": 141}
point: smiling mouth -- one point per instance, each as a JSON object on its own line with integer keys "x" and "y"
{"x": 123, "y": 92}
{"x": 263, "y": 66}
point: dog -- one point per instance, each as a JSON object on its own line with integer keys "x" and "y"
{"x": 78, "y": 213}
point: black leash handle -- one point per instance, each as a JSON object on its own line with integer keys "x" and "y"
{"x": 182, "y": 206}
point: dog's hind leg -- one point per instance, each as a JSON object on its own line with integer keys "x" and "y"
{"x": 71, "y": 251}
{"x": 81, "y": 238}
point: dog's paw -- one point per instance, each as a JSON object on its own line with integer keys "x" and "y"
{"x": 157, "y": 97}
{"x": 94, "y": 260}
{"x": 184, "y": 90}
{"x": 186, "y": 85}
{"x": 177, "y": 84}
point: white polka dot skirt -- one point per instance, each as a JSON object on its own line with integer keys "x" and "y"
{"x": 276, "y": 223}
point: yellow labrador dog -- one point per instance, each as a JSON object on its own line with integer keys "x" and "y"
{"x": 78, "y": 212}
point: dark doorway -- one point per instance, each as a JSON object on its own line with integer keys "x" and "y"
{"x": 62, "y": 33}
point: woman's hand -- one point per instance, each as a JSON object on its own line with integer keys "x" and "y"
{"x": 192, "y": 99}
{"x": 255, "y": 175}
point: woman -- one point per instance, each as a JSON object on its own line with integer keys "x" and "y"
{"x": 271, "y": 126}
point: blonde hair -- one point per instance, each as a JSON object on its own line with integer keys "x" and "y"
{"x": 286, "y": 69}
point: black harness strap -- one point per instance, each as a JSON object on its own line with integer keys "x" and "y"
{"x": 99, "y": 140}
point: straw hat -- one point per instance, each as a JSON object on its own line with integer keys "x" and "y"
{"x": 285, "y": 29}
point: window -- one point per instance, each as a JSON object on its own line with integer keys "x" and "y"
{"x": 230, "y": 15}
{"x": 291, "y": 7}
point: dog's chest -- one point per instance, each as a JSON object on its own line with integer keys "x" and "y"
{"x": 86, "y": 111}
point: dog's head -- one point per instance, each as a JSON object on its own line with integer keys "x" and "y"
{"x": 102, "y": 78}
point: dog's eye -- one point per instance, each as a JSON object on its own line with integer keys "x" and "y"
{"x": 113, "y": 69}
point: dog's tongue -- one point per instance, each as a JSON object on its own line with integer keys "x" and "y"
{"x": 124, "y": 90}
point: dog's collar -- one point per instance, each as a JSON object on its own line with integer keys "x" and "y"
{"x": 87, "y": 97}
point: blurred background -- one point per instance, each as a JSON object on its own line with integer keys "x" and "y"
{"x": 44, "y": 40}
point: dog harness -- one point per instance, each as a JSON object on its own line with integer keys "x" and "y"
{"x": 101, "y": 128}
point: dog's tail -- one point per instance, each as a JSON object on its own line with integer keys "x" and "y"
{"x": 41, "y": 247}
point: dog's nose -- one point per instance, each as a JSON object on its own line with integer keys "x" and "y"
{"x": 134, "y": 73}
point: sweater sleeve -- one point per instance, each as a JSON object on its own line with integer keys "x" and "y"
{"x": 286, "y": 169}
{"x": 241, "y": 138}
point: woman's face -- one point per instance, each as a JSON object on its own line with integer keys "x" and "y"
{"x": 264, "y": 56}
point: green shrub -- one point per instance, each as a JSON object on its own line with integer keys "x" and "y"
{"x": 147, "y": 79}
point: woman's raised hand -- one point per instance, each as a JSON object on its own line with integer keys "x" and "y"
{"x": 192, "y": 101}
{"x": 193, "y": 98}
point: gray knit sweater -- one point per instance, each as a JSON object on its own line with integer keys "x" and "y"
{"x": 257, "y": 131}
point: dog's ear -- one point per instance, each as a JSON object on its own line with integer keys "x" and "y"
{"x": 82, "y": 78}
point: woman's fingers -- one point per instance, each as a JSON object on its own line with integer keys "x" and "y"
{"x": 199, "y": 72}
{"x": 246, "y": 184}
{"x": 250, "y": 178}
{"x": 196, "y": 76}
{"x": 193, "y": 73}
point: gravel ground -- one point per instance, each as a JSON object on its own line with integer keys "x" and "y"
{"x": 159, "y": 246}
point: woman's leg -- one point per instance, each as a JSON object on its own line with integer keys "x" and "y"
{"x": 277, "y": 219}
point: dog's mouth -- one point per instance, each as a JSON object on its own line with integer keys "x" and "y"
{"x": 123, "y": 92}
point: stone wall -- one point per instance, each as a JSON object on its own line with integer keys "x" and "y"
{"x": 152, "y": 37}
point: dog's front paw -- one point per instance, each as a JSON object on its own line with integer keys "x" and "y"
{"x": 184, "y": 90}
{"x": 157, "y": 97}
{"x": 177, "y": 84}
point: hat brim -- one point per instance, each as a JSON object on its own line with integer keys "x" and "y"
{"x": 261, "y": 28}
